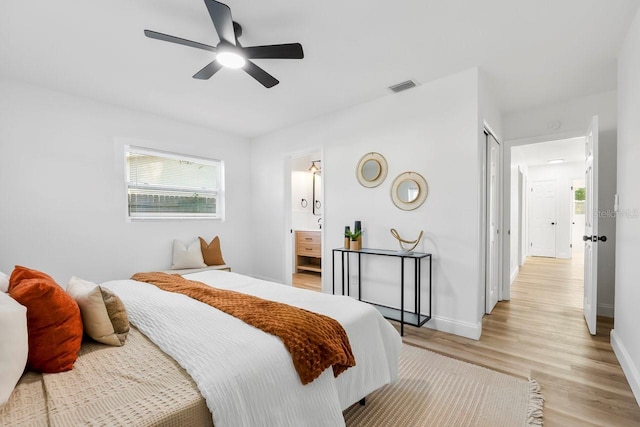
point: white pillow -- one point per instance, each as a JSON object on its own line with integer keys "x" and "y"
{"x": 104, "y": 317}
{"x": 4, "y": 282}
{"x": 187, "y": 256}
{"x": 15, "y": 344}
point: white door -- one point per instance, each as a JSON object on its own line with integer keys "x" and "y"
{"x": 493, "y": 229}
{"x": 591, "y": 227}
{"x": 577, "y": 222}
{"x": 544, "y": 196}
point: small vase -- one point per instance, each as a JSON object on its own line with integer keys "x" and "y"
{"x": 355, "y": 245}
{"x": 347, "y": 243}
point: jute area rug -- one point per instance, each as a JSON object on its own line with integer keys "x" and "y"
{"x": 434, "y": 390}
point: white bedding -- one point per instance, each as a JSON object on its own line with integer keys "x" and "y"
{"x": 246, "y": 375}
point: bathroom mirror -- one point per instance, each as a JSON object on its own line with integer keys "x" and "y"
{"x": 371, "y": 170}
{"x": 409, "y": 191}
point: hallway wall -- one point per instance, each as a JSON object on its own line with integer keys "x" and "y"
{"x": 625, "y": 338}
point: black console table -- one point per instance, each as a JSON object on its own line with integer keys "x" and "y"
{"x": 415, "y": 317}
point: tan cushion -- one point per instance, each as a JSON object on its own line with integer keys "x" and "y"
{"x": 4, "y": 282}
{"x": 103, "y": 313}
{"x": 211, "y": 252}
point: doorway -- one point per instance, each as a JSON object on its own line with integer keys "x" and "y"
{"x": 550, "y": 208}
{"x": 307, "y": 204}
{"x": 543, "y": 199}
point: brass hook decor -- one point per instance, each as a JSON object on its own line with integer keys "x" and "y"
{"x": 395, "y": 234}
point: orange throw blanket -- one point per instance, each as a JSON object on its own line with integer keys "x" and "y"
{"x": 315, "y": 341}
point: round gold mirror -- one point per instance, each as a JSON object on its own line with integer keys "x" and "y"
{"x": 409, "y": 191}
{"x": 371, "y": 170}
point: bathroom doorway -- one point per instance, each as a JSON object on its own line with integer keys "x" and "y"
{"x": 306, "y": 220}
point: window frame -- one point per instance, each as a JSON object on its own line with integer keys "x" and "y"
{"x": 218, "y": 192}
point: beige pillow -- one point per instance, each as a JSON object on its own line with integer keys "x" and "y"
{"x": 103, "y": 313}
{"x": 187, "y": 256}
{"x": 4, "y": 282}
{"x": 15, "y": 345}
{"x": 211, "y": 252}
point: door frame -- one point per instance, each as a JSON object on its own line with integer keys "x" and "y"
{"x": 506, "y": 196}
{"x": 288, "y": 218}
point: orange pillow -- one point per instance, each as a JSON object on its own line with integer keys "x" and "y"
{"x": 211, "y": 253}
{"x": 53, "y": 322}
{"x": 21, "y": 273}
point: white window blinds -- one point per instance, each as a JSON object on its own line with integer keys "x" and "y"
{"x": 167, "y": 185}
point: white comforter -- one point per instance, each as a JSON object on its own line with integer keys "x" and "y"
{"x": 246, "y": 375}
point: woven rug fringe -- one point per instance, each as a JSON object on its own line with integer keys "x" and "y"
{"x": 536, "y": 402}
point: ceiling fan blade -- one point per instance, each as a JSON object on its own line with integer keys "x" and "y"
{"x": 266, "y": 79}
{"x": 275, "y": 51}
{"x": 222, "y": 21}
{"x": 209, "y": 70}
{"x": 177, "y": 40}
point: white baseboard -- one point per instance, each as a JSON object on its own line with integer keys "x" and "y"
{"x": 451, "y": 326}
{"x": 514, "y": 274}
{"x": 605, "y": 310}
{"x": 630, "y": 370}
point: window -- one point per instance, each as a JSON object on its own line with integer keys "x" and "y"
{"x": 578, "y": 201}
{"x": 166, "y": 185}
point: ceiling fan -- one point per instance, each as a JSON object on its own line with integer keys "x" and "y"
{"x": 229, "y": 52}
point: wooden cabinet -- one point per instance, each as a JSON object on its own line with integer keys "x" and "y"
{"x": 308, "y": 249}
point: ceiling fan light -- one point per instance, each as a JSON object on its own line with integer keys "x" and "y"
{"x": 231, "y": 59}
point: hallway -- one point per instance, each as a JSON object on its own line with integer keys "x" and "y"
{"x": 541, "y": 334}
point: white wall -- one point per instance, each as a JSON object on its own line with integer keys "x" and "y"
{"x": 563, "y": 174}
{"x": 573, "y": 115}
{"x": 63, "y": 200}
{"x": 433, "y": 130}
{"x": 625, "y": 338}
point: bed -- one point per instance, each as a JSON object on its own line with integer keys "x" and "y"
{"x": 218, "y": 368}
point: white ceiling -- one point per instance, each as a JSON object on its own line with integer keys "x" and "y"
{"x": 570, "y": 150}
{"x": 533, "y": 52}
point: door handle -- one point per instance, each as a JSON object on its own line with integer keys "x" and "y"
{"x": 553, "y": 223}
{"x": 594, "y": 238}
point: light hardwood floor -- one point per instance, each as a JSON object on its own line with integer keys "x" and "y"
{"x": 541, "y": 334}
{"x": 311, "y": 281}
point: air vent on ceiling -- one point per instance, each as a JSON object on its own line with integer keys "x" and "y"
{"x": 403, "y": 86}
